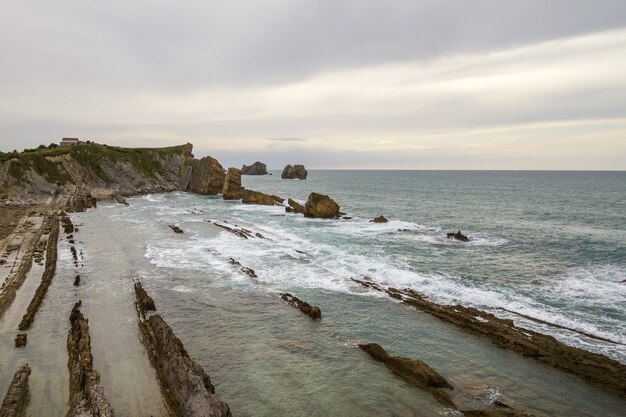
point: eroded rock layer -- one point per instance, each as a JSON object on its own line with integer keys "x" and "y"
{"x": 18, "y": 395}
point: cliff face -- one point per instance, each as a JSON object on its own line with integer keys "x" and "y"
{"x": 104, "y": 171}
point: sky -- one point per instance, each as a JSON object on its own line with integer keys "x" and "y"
{"x": 351, "y": 84}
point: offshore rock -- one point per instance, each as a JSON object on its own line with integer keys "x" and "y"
{"x": 176, "y": 229}
{"x": 232, "y": 185}
{"x": 20, "y": 340}
{"x": 379, "y": 219}
{"x": 312, "y": 311}
{"x": 294, "y": 207}
{"x": 321, "y": 206}
{"x": 458, "y": 236}
{"x": 202, "y": 176}
{"x": 291, "y": 172}
{"x": 258, "y": 168}
{"x": 18, "y": 395}
{"x": 187, "y": 387}
{"x": 414, "y": 372}
{"x": 257, "y": 197}
{"x": 86, "y": 394}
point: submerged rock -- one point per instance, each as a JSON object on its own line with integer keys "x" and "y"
{"x": 258, "y": 168}
{"x": 232, "y": 185}
{"x": 321, "y": 206}
{"x": 257, "y": 197}
{"x": 77, "y": 280}
{"x": 176, "y": 229}
{"x": 312, "y": 311}
{"x": 458, "y": 236}
{"x": 379, "y": 219}
{"x": 291, "y": 172}
{"x": 20, "y": 340}
{"x": 18, "y": 395}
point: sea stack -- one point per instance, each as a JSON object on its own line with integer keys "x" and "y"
{"x": 232, "y": 185}
{"x": 294, "y": 172}
{"x": 258, "y": 168}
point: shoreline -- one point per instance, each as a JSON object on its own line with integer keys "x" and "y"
{"x": 615, "y": 386}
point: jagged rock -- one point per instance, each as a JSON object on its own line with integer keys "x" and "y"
{"x": 187, "y": 387}
{"x": 312, "y": 311}
{"x": 18, "y": 395}
{"x": 120, "y": 199}
{"x": 414, "y": 372}
{"x": 295, "y": 207}
{"x": 258, "y": 168}
{"x": 144, "y": 302}
{"x": 291, "y": 172}
{"x": 86, "y": 393}
{"x": 379, "y": 219}
{"x": 176, "y": 229}
{"x": 232, "y": 185}
{"x": 77, "y": 281}
{"x": 202, "y": 176}
{"x": 321, "y": 206}
{"x": 257, "y": 197}
{"x": 20, "y": 340}
{"x": 458, "y": 236}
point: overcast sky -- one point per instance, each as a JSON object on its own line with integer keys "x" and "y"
{"x": 435, "y": 84}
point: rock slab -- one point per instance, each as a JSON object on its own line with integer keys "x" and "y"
{"x": 18, "y": 395}
{"x": 202, "y": 176}
{"x": 232, "y": 185}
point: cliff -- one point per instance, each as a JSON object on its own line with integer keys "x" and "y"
{"x": 105, "y": 171}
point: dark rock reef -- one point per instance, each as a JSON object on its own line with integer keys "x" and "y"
{"x": 321, "y": 206}
{"x": 312, "y": 311}
{"x": 379, "y": 219}
{"x": 257, "y": 197}
{"x": 86, "y": 394}
{"x": 258, "y": 168}
{"x": 20, "y": 340}
{"x": 232, "y": 185}
{"x": 458, "y": 236}
{"x": 176, "y": 229}
{"x": 184, "y": 383}
{"x": 18, "y": 395}
{"x": 291, "y": 172}
{"x": 415, "y": 372}
{"x": 594, "y": 368}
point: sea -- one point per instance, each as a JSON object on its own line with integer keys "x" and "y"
{"x": 546, "y": 249}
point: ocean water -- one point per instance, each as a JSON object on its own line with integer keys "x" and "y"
{"x": 548, "y": 245}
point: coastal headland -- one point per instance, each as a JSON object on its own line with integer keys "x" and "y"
{"x": 40, "y": 190}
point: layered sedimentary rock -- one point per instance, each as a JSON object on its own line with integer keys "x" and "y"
{"x": 86, "y": 394}
{"x": 232, "y": 185}
{"x": 202, "y": 176}
{"x": 184, "y": 383}
{"x": 321, "y": 206}
{"x": 257, "y": 197}
{"x": 291, "y": 172}
{"x": 312, "y": 311}
{"x": 18, "y": 395}
{"x": 294, "y": 207}
{"x": 258, "y": 168}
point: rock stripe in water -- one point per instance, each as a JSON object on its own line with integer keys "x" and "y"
{"x": 18, "y": 394}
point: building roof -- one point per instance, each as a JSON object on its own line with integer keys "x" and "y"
{"x": 70, "y": 139}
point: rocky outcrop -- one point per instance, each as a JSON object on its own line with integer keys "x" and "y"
{"x": 413, "y": 371}
{"x": 232, "y": 185}
{"x": 244, "y": 269}
{"x": 18, "y": 395}
{"x": 257, "y": 197}
{"x": 176, "y": 229}
{"x": 312, "y": 311}
{"x": 294, "y": 207}
{"x": 202, "y": 176}
{"x": 258, "y": 168}
{"x": 145, "y": 303}
{"x": 321, "y": 206}
{"x": 86, "y": 394}
{"x": 46, "y": 279}
{"x": 184, "y": 383}
{"x": 379, "y": 219}
{"x": 594, "y": 368}
{"x": 458, "y": 236}
{"x": 291, "y": 172}
{"x": 20, "y": 340}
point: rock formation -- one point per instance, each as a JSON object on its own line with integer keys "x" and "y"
{"x": 312, "y": 311}
{"x": 458, "y": 236}
{"x": 187, "y": 387}
{"x": 202, "y": 176}
{"x": 379, "y": 219}
{"x": 18, "y": 395}
{"x": 20, "y": 340}
{"x": 291, "y": 172}
{"x": 176, "y": 229}
{"x": 232, "y": 185}
{"x": 294, "y": 207}
{"x": 258, "y": 168}
{"x": 86, "y": 393}
{"x": 321, "y": 206}
{"x": 257, "y": 197}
